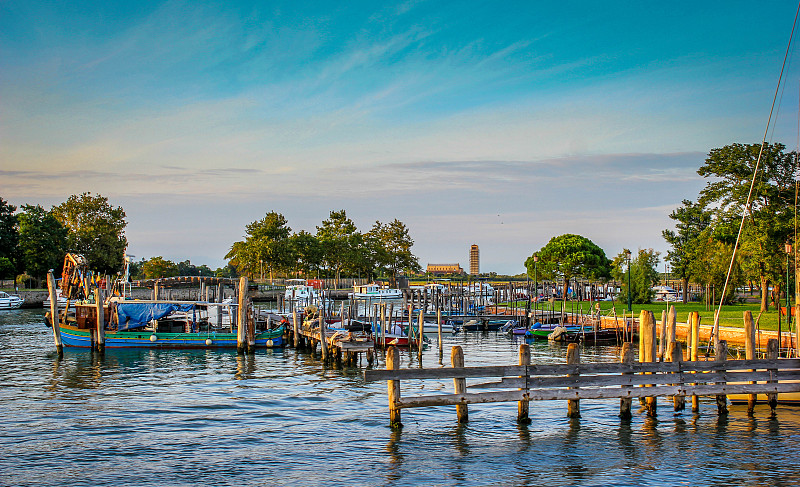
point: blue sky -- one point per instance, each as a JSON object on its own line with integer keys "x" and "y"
{"x": 496, "y": 123}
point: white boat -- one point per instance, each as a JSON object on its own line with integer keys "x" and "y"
{"x": 375, "y": 291}
{"x": 298, "y": 291}
{"x": 62, "y": 301}
{"x": 666, "y": 293}
{"x": 10, "y": 301}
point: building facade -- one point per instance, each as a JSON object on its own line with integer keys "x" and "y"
{"x": 474, "y": 260}
{"x": 442, "y": 269}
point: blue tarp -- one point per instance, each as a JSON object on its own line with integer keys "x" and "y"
{"x": 135, "y": 315}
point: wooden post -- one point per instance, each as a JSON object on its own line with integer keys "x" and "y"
{"x": 647, "y": 330}
{"x": 695, "y": 332}
{"x": 295, "y": 329}
{"x": 573, "y": 358}
{"x": 626, "y": 357}
{"x": 421, "y": 333}
{"x": 241, "y": 337}
{"x": 524, "y": 360}
{"x": 251, "y": 327}
{"x": 393, "y": 363}
{"x": 439, "y": 325}
{"x": 382, "y": 343}
{"x": 662, "y": 336}
{"x": 675, "y": 355}
{"x": 460, "y": 384}
{"x": 323, "y": 331}
{"x": 772, "y": 354}
{"x": 672, "y": 317}
{"x": 722, "y": 356}
{"x": 750, "y": 354}
{"x": 54, "y": 318}
{"x": 101, "y": 321}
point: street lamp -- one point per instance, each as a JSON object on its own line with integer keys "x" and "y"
{"x": 628, "y": 258}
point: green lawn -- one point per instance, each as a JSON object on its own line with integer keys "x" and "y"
{"x": 731, "y": 315}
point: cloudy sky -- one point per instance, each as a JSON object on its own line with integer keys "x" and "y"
{"x": 496, "y": 123}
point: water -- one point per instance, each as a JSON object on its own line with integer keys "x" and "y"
{"x": 150, "y": 417}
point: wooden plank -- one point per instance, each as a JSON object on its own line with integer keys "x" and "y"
{"x": 609, "y": 393}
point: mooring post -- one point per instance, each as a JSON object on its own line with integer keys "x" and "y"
{"x": 54, "y": 318}
{"x": 573, "y": 358}
{"x": 439, "y": 325}
{"x": 772, "y": 354}
{"x": 381, "y": 343}
{"x": 393, "y": 363}
{"x": 675, "y": 355}
{"x": 647, "y": 329}
{"x": 694, "y": 353}
{"x": 241, "y": 327}
{"x": 251, "y": 327}
{"x": 295, "y": 329}
{"x": 459, "y": 383}
{"x": 672, "y": 317}
{"x": 421, "y": 333}
{"x": 323, "y": 331}
{"x": 662, "y": 336}
{"x": 524, "y": 360}
{"x": 642, "y": 314}
{"x": 750, "y": 354}
{"x": 626, "y": 357}
{"x": 722, "y": 356}
{"x": 101, "y": 320}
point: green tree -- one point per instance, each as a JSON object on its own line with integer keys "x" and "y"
{"x": 96, "y": 230}
{"x": 42, "y": 241}
{"x": 769, "y": 222}
{"x": 7, "y": 269}
{"x": 9, "y": 231}
{"x": 568, "y": 256}
{"x": 691, "y": 219}
{"x": 643, "y": 275}
{"x": 157, "y": 267}
{"x": 306, "y": 252}
{"x": 339, "y": 239}
{"x": 393, "y": 249}
{"x": 266, "y": 246}
{"x": 710, "y": 261}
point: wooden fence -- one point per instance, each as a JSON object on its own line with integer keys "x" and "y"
{"x": 574, "y": 381}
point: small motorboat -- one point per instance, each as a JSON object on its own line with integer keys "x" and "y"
{"x": 10, "y": 301}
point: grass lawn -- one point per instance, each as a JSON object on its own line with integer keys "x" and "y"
{"x": 731, "y": 315}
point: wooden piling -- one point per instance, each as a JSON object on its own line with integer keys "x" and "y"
{"x": 647, "y": 332}
{"x": 626, "y": 357}
{"x": 439, "y": 325}
{"x": 241, "y": 337}
{"x": 421, "y": 333}
{"x": 323, "y": 331}
{"x": 524, "y": 360}
{"x": 675, "y": 355}
{"x": 662, "y": 336}
{"x": 393, "y": 363}
{"x": 54, "y": 318}
{"x": 459, "y": 383}
{"x": 722, "y": 356}
{"x": 573, "y": 358}
{"x": 672, "y": 317}
{"x": 695, "y": 336}
{"x": 750, "y": 354}
{"x": 772, "y": 354}
{"x": 295, "y": 329}
{"x": 101, "y": 321}
{"x": 382, "y": 343}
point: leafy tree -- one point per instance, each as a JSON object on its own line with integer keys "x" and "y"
{"x": 42, "y": 241}
{"x": 769, "y": 222}
{"x": 306, "y": 252}
{"x": 643, "y": 274}
{"x": 96, "y": 230}
{"x": 266, "y": 243}
{"x": 9, "y": 233}
{"x": 157, "y": 267}
{"x": 7, "y": 269}
{"x": 691, "y": 219}
{"x": 227, "y": 271}
{"x": 393, "y": 249}
{"x": 339, "y": 239}
{"x": 569, "y": 256}
{"x": 186, "y": 268}
{"x": 710, "y": 261}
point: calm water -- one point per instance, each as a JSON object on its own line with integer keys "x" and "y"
{"x": 279, "y": 418}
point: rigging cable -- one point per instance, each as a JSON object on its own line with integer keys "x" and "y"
{"x": 747, "y": 207}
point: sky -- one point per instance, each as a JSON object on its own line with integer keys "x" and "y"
{"x": 501, "y": 124}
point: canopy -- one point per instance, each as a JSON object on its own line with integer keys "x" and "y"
{"x": 134, "y": 315}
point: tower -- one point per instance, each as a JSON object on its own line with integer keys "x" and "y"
{"x": 474, "y": 260}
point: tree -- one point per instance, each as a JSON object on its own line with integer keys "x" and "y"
{"x": 569, "y": 256}
{"x": 771, "y": 208}
{"x": 96, "y": 230}
{"x": 158, "y": 267}
{"x": 306, "y": 252}
{"x": 339, "y": 238}
{"x": 691, "y": 219}
{"x": 42, "y": 241}
{"x": 393, "y": 249}
{"x": 9, "y": 232}
{"x": 643, "y": 274}
{"x": 7, "y": 269}
{"x": 266, "y": 244}
{"x": 710, "y": 261}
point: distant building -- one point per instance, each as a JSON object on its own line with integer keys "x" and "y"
{"x": 474, "y": 260}
{"x": 440, "y": 269}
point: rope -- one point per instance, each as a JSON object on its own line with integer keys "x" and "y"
{"x": 747, "y": 208}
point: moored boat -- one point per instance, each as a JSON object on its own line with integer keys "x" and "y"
{"x": 10, "y": 301}
{"x": 375, "y": 291}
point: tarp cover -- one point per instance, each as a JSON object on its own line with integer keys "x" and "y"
{"x": 135, "y": 315}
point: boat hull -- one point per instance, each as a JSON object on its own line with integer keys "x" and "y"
{"x": 81, "y": 338}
